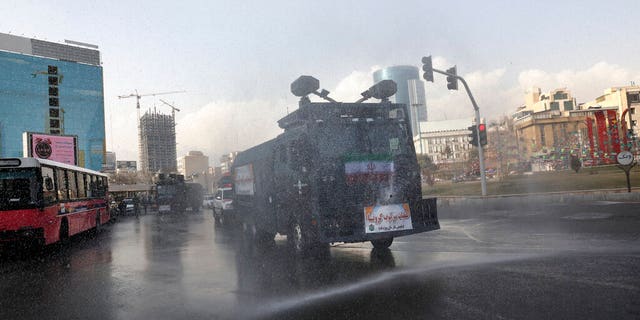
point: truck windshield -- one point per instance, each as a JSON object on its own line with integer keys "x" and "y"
{"x": 389, "y": 138}
{"x": 19, "y": 188}
{"x": 166, "y": 191}
{"x": 227, "y": 194}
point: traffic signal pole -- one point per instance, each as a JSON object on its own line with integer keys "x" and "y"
{"x": 483, "y": 175}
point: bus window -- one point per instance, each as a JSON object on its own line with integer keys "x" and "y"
{"x": 81, "y": 185}
{"x": 61, "y": 182}
{"x": 105, "y": 186}
{"x": 73, "y": 188}
{"x": 91, "y": 186}
{"x": 49, "y": 194}
{"x": 18, "y": 188}
{"x": 100, "y": 187}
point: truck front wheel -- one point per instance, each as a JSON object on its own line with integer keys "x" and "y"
{"x": 296, "y": 238}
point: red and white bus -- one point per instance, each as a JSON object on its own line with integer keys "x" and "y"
{"x": 48, "y": 201}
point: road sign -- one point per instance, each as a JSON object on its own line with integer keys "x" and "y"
{"x": 625, "y": 158}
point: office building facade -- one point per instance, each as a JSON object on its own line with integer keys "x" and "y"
{"x": 195, "y": 166}
{"x": 52, "y": 88}
{"x": 548, "y": 121}
{"x": 445, "y": 141}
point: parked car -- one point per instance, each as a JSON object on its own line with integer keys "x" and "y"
{"x": 223, "y": 205}
{"x": 127, "y": 205}
{"x": 207, "y": 201}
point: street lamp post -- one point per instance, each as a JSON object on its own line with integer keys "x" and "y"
{"x": 415, "y": 108}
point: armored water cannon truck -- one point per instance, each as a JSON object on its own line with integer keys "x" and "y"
{"x": 171, "y": 192}
{"x": 340, "y": 172}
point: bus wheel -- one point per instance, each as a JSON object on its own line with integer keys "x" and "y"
{"x": 382, "y": 243}
{"x": 98, "y": 224}
{"x": 64, "y": 231}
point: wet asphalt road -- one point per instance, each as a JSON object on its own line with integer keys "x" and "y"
{"x": 557, "y": 261}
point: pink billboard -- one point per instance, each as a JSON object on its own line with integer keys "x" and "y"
{"x": 53, "y": 147}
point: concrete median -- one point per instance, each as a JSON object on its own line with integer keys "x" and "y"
{"x": 458, "y": 207}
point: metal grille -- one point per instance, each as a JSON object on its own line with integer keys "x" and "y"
{"x": 65, "y": 52}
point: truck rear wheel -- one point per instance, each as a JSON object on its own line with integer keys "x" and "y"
{"x": 382, "y": 243}
{"x": 298, "y": 238}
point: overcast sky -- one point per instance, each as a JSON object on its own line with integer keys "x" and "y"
{"x": 236, "y": 59}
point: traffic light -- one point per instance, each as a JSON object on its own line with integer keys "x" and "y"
{"x": 452, "y": 82}
{"x": 473, "y": 135}
{"x": 482, "y": 129}
{"x": 427, "y": 67}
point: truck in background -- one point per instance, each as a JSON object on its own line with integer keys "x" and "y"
{"x": 195, "y": 195}
{"x": 171, "y": 193}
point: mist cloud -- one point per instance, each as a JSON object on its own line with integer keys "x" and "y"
{"x": 220, "y": 127}
{"x": 495, "y": 91}
{"x": 585, "y": 85}
{"x": 349, "y": 88}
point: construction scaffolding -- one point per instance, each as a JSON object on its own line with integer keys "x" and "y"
{"x": 157, "y": 142}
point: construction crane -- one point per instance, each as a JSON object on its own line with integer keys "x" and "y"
{"x": 173, "y": 109}
{"x": 138, "y": 96}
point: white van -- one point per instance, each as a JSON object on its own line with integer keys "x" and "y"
{"x": 223, "y": 205}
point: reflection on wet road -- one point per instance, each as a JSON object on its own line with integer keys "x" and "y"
{"x": 555, "y": 262}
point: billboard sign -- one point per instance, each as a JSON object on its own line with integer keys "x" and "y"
{"x": 126, "y": 165}
{"x": 57, "y": 148}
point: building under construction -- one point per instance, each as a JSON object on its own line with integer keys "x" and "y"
{"x": 157, "y": 142}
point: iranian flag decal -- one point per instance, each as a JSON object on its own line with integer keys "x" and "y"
{"x": 368, "y": 168}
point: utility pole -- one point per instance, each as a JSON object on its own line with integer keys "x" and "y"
{"x": 452, "y": 79}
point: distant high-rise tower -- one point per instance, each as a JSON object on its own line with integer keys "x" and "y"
{"x": 109, "y": 162}
{"x": 157, "y": 138}
{"x": 410, "y": 91}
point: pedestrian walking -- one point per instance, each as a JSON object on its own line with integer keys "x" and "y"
{"x": 136, "y": 204}
{"x": 145, "y": 203}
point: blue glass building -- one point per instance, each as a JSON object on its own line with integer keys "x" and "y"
{"x": 32, "y": 101}
{"x": 410, "y": 91}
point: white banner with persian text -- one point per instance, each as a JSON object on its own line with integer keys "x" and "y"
{"x": 387, "y": 218}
